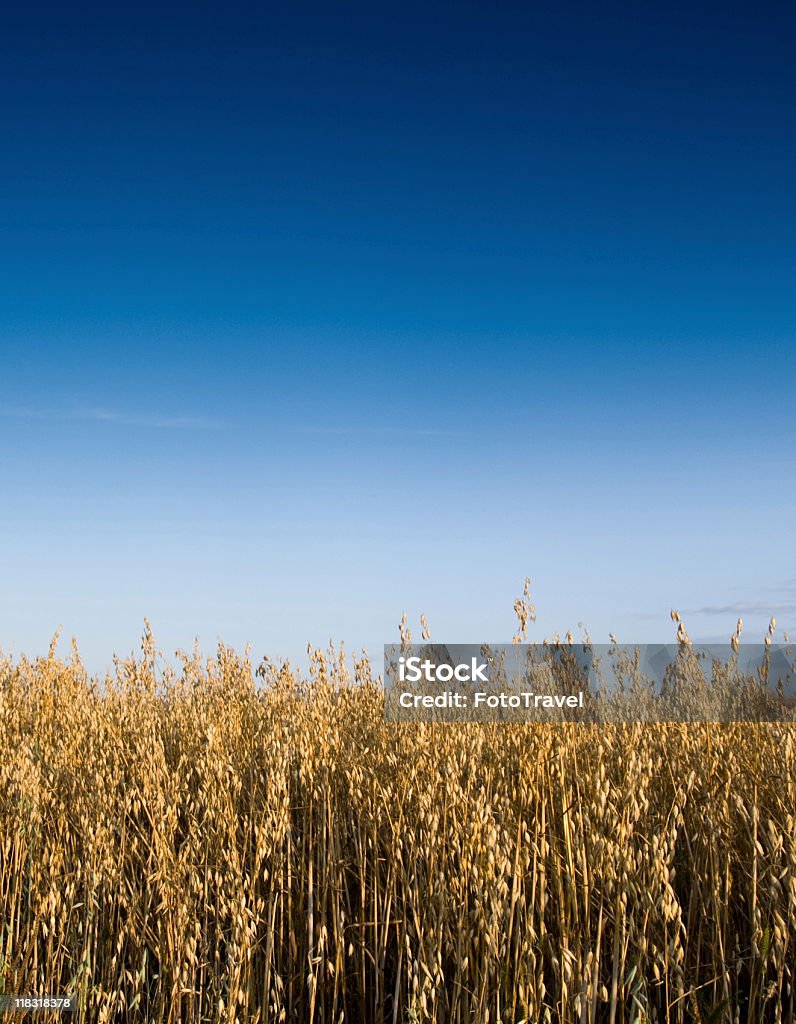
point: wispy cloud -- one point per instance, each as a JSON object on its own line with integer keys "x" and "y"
{"x": 384, "y": 431}
{"x": 167, "y": 422}
{"x": 778, "y": 600}
{"x": 743, "y": 608}
{"x": 160, "y": 421}
{"x": 782, "y": 600}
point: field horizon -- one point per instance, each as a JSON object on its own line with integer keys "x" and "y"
{"x": 231, "y": 842}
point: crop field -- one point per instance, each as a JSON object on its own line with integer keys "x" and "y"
{"x": 232, "y": 842}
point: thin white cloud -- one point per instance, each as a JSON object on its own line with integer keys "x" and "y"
{"x": 781, "y": 600}
{"x": 104, "y": 415}
{"x": 744, "y": 608}
{"x": 168, "y": 422}
{"x": 384, "y": 431}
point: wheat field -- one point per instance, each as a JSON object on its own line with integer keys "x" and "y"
{"x": 225, "y": 842}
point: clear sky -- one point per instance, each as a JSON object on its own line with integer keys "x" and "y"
{"x": 314, "y": 313}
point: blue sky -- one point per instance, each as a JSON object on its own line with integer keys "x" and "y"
{"x": 314, "y": 314}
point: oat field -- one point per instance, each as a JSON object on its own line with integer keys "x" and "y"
{"x": 231, "y": 842}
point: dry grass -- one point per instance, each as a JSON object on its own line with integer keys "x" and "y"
{"x": 221, "y": 844}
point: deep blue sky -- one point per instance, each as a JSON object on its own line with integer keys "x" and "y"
{"x": 314, "y": 313}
